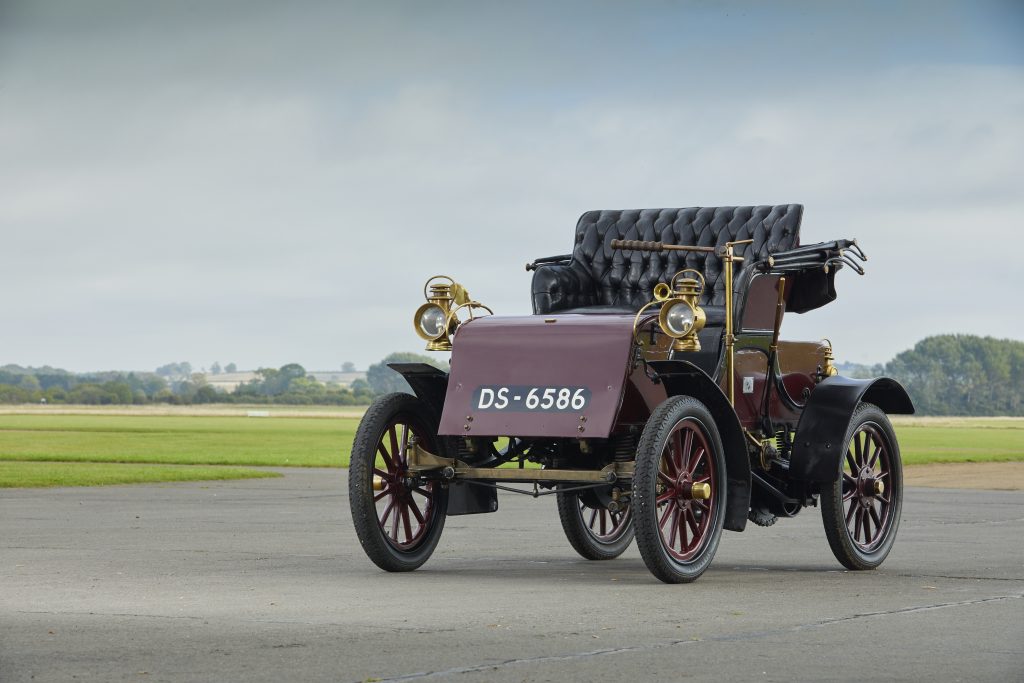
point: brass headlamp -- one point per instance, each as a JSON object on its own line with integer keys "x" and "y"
{"x": 437, "y": 319}
{"x": 680, "y": 317}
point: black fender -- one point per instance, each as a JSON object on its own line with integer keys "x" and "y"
{"x": 818, "y": 444}
{"x": 428, "y": 383}
{"x": 682, "y": 378}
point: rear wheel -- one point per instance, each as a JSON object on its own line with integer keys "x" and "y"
{"x": 861, "y": 509}
{"x": 398, "y": 517}
{"x": 679, "y": 490}
{"x": 594, "y": 531}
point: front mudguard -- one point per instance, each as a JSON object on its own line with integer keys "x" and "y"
{"x": 430, "y": 384}
{"x": 682, "y": 378}
{"x": 427, "y": 382}
{"x": 818, "y": 445}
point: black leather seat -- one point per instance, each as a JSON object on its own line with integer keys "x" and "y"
{"x": 599, "y": 279}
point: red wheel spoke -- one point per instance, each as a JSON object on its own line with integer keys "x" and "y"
{"x": 874, "y": 516}
{"x": 850, "y": 512}
{"x": 387, "y": 511}
{"x": 593, "y": 518}
{"x": 381, "y": 495}
{"x": 665, "y": 514}
{"x": 381, "y": 473}
{"x": 668, "y": 495}
{"x": 693, "y": 524}
{"x": 394, "y": 445}
{"x": 394, "y": 521}
{"x": 857, "y": 450}
{"x": 851, "y": 462}
{"x": 387, "y": 457}
{"x": 406, "y": 523}
{"x": 403, "y": 444}
{"x": 684, "y": 462}
{"x": 675, "y": 526}
{"x": 604, "y": 522}
{"x": 683, "y": 542}
{"x": 415, "y": 509}
{"x": 677, "y": 453}
{"x": 665, "y": 479}
{"x": 703, "y": 505}
{"x": 696, "y": 461}
{"x": 867, "y": 526}
{"x": 875, "y": 452}
{"x": 856, "y": 522}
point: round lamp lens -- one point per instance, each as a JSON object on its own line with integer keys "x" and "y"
{"x": 432, "y": 322}
{"x": 679, "y": 319}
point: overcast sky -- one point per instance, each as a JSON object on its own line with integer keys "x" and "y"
{"x": 272, "y": 182}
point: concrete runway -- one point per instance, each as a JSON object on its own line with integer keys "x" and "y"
{"x": 263, "y": 580}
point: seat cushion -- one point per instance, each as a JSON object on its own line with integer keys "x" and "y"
{"x": 626, "y": 278}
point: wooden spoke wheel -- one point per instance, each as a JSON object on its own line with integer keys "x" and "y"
{"x": 594, "y": 531}
{"x": 861, "y": 509}
{"x": 679, "y": 490}
{"x": 398, "y": 517}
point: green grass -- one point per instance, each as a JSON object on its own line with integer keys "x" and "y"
{"x": 43, "y": 474}
{"x": 325, "y": 442}
{"x": 985, "y": 442}
{"x": 294, "y": 442}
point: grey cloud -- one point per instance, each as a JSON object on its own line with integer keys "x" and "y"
{"x": 274, "y": 185}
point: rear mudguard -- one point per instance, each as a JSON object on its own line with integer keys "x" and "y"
{"x": 820, "y": 434}
{"x": 682, "y": 378}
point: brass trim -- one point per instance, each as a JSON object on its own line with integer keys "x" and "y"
{"x": 445, "y": 293}
{"x": 422, "y": 460}
{"x": 700, "y": 491}
{"x": 729, "y": 257}
{"x": 730, "y": 343}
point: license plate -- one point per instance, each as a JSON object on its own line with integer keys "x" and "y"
{"x": 530, "y": 399}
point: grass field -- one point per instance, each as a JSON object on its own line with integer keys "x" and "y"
{"x": 298, "y": 440}
{"x": 39, "y": 474}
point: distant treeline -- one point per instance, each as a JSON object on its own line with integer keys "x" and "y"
{"x": 289, "y": 385}
{"x": 945, "y": 375}
{"x": 958, "y": 374}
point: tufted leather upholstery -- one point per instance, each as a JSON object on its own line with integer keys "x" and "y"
{"x": 599, "y": 276}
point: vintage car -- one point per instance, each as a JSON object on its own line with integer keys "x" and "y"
{"x": 649, "y": 392}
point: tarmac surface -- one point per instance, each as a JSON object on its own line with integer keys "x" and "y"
{"x": 263, "y": 580}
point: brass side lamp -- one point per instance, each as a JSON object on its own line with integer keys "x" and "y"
{"x": 680, "y": 317}
{"x": 437, "y": 319}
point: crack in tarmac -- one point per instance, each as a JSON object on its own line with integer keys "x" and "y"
{"x": 750, "y": 635}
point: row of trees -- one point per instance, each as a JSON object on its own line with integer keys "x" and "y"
{"x": 945, "y": 375}
{"x": 176, "y": 383}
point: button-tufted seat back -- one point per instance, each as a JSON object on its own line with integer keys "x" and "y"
{"x": 599, "y": 276}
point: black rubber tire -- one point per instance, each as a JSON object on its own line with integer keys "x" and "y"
{"x": 372, "y": 429}
{"x": 580, "y": 536}
{"x": 832, "y": 511}
{"x": 645, "y": 508}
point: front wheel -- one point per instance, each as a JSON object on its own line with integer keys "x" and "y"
{"x": 679, "y": 490}
{"x": 398, "y": 517}
{"x": 594, "y": 531}
{"x": 861, "y": 508}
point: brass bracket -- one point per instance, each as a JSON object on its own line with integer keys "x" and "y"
{"x": 422, "y": 460}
